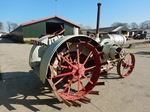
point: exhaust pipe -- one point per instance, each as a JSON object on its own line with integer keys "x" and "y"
{"x": 98, "y": 22}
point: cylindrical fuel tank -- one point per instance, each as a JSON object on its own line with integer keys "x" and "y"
{"x": 116, "y": 38}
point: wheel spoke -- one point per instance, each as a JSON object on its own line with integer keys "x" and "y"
{"x": 89, "y": 73}
{"x": 69, "y": 85}
{"x": 131, "y": 65}
{"x": 78, "y": 84}
{"x": 122, "y": 72}
{"x": 123, "y": 62}
{"x": 87, "y": 58}
{"x": 68, "y": 89}
{"x": 129, "y": 59}
{"x": 82, "y": 47}
{"x": 62, "y": 66}
{"x": 59, "y": 81}
{"x": 125, "y": 70}
{"x": 90, "y": 68}
{"x": 66, "y": 60}
{"x": 68, "y": 52}
{"x": 63, "y": 74}
{"x": 78, "y": 54}
{"x": 81, "y": 83}
{"x": 87, "y": 79}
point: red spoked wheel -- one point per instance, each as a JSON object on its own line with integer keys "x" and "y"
{"x": 74, "y": 70}
{"x": 126, "y": 65}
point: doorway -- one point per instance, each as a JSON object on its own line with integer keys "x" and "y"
{"x": 52, "y": 27}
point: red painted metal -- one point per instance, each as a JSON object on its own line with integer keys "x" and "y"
{"x": 78, "y": 73}
{"x": 125, "y": 66}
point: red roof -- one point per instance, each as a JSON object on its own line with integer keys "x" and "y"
{"x": 44, "y": 19}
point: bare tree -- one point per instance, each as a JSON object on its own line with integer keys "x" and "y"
{"x": 145, "y": 24}
{"x": 82, "y": 27}
{"x": 14, "y": 26}
{"x": 133, "y": 25}
{"x": 88, "y": 27}
{"x": 11, "y": 26}
{"x": 116, "y": 24}
{"x": 142, "y": 25}
{"x": 1, "y": 25}
{"x": 125, "y": 24}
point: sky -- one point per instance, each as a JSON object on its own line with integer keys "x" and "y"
{"x": 83, "y": 12}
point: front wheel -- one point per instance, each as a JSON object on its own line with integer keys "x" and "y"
{"x": 126, "y": 65}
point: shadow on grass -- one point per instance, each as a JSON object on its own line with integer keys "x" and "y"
{"x": 25, "y": 88}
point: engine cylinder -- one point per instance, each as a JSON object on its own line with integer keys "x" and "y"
{"x": 115, "y": 52}
{"x": 111, "y": 51}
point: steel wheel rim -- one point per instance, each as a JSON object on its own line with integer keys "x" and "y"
{"x": 74, "y": 70}
{"x": 125, "y": 66}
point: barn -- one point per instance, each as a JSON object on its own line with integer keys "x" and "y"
{"x": 34, "y": 29}
{"x": 123, "y": 30}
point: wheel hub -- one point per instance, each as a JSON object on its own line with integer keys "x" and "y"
{"x": 78, "y": 71}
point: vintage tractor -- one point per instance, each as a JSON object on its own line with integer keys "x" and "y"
{"x": 73, "y": 64}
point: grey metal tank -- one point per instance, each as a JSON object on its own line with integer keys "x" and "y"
{"x": 115, "y": 38}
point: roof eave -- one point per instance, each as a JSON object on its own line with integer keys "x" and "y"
{"x": 51, "y": 17}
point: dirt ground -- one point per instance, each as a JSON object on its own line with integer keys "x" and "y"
{"x": 22, "y": 91}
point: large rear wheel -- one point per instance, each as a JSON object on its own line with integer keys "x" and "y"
{"x": 74, "y": 70}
